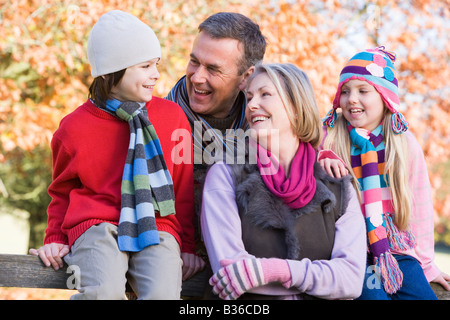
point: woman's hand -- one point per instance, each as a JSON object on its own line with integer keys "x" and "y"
{"x": 51, "y": 254}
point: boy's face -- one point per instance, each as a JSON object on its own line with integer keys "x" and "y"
{"x": 138, "y": 82}
{"x": 361, "y": 104}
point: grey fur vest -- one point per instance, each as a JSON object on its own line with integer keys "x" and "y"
{"x": 272, "y": 229}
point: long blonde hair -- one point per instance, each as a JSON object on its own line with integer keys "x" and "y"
{"x": 396, "y": 164}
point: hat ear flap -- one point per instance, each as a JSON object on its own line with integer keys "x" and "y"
{"x": 399, "y": 123}
{"x": 330, "y": 118}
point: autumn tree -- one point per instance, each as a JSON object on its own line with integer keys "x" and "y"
{"x": 44, "y": 72}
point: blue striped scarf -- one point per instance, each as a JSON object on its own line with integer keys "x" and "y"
{"x": 146, "y": 183}
{"x": 202, "y": 141}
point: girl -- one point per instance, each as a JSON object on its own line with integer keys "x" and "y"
{"x": 278, "y": 226}
{"x": 120, "y": 205}
{"x": 389, "y": 170}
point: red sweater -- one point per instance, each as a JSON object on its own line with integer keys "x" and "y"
{"x": 89, "y": 150}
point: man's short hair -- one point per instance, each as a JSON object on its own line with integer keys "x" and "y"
{"x": 237, "y": 26}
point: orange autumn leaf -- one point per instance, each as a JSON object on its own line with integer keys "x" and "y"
{"x": 44, "y": 72}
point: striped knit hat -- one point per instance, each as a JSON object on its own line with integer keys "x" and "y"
{"x": 376, "y": 67}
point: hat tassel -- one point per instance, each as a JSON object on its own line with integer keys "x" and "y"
{"x": 399, "y": 123}
{"x": 330, "y": 118}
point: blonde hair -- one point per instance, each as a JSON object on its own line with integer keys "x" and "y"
{"x": 396, "y": 164}
{"x": 297, "y": 94}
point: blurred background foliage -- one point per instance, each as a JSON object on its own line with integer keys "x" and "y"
{"x": 44, "y": 72}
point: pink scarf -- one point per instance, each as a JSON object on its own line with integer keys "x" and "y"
{"x": 299, "y": 188}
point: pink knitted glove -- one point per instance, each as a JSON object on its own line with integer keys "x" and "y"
{"x": 235, "y": 278}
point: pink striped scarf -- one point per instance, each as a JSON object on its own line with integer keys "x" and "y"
{"x": 367, "y": 157}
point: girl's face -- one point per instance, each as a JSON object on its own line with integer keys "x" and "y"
{"x": 266, "y": 113}
{"x": 361, "y": 104}
{"x": 137, "y": 83}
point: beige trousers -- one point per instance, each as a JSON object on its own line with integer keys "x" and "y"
{"x": 153, "y": 273}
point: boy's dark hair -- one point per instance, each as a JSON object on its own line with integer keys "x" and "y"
{"x": 237, "y": 26}
{"x": 100, "y": 89}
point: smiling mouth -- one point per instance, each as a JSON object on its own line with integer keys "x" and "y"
{"x": 356, "y": 111}
{"x": 201, "y": 92}
{"x": 259, "y": 119}
{"x": 148, "y": 87}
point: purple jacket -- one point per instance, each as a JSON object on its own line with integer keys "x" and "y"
{"x": 341, "y": 277}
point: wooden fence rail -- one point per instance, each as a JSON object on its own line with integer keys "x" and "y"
{"x": 28, "y": 271}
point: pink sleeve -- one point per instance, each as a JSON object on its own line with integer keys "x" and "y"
{"x": 422, "y": 214}
{"x": 322, "y": 154}
{"x": 326, "y": 153}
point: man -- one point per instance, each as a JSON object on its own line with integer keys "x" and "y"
{"x": 223, "y": 56}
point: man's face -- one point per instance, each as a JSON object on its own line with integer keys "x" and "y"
{"x": 212, "y": 78}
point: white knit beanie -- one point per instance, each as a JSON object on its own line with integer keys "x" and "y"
{"x": 120, "y": 40}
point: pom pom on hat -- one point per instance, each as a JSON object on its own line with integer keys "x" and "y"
{"x": 120, "y": 40}
{"x": 376, "y": 67}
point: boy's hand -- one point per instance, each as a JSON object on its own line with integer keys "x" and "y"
{"x": 51, "y": 254}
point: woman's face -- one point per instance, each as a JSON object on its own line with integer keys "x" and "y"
{"x": 266, "y": 113}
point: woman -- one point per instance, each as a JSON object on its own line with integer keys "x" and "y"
{"x": 278, "y": 226}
